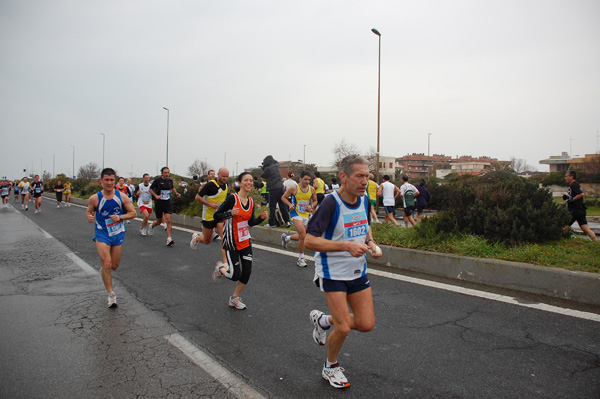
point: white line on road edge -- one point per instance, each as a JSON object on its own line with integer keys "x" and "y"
{"x": 460, "y": 290}
{"x": 489, "y": 295}
{"x": 234, "y": 384}
{"x": 81, "y": 263}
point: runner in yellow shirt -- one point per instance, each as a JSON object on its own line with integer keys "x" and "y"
{"x": 304, "y": 199}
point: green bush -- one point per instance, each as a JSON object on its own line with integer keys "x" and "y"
{"x": 89, "y": 190}
{"x": 186, "y": 200}
{"x": 499, "y": 206}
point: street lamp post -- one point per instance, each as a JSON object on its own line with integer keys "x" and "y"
{"x": 428, "y": 144}
{"x": 378, "y": 99}
{"x": 168, "y": 114}
{"x": 103, "y": 140}
{"x": 73, "y": 161}
{"x": 375, "y": 31}
{"x": 304, "y": 159}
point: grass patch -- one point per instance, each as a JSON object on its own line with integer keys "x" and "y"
{"x": 576, "y": 254}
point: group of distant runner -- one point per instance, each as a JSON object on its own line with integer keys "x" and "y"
{"x": 333, "y": 221}
{"x": 31, "y": 191}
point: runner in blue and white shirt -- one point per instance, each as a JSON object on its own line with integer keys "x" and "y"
{"x": 339, "y": 233}
{"x": 107, "y": 209}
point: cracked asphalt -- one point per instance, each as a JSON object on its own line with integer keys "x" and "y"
{"x": 58, "y": 339}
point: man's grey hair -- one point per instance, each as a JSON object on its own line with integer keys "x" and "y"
{"x": 348, "y": 162}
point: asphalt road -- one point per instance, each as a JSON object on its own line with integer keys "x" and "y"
{"x": 427, "y": 343}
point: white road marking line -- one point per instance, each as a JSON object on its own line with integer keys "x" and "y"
{"x": 234, "y": 384}
{"x": 86, "y": 267}
{"x": 460, "y": 290}
{"x": 488, "y": 295}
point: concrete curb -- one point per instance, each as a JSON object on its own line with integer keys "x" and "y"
{"x": 556, "y": 283}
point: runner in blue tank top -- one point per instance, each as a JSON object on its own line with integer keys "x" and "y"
{"x": 339, "y": 233}
{"x": 107, "y": 209}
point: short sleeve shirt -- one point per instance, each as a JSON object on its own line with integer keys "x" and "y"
{"x": 162, "y": 188}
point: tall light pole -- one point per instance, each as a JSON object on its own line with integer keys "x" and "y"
{"x": 428, "y": 144}
{"x": 168, "y": 112}
{"x": 73, "y": 161}
{"x": 571, "y": 146}
{"x": 378, "y": 100}
{"x": 103, "y": 140}
{"x": 304, "y": 159}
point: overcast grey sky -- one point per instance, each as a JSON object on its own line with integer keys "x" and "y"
{"x": 244, "y": 79}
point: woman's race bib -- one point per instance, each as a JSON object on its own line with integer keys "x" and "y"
{"x": 165, "y": 195}
{"x": 243, "y": 231}
{"x": 114, "y": 228}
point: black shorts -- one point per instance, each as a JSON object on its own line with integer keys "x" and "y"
{"x": 37, "y": 195}
{"x": 320, "y": 198}
{"x": 210, "y": 224}
{"x": 578, "y": 215}
{"x": 161, "y": 207}
{"x": 409, "y": 210}
{"x": 420, "y": 209}
{"x": 349, "y": 287}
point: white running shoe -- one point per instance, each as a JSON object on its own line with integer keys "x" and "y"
{"x": 58, "y": 206}
{"x": 150, "y": 229}
{"x": 112, "y": 300}
{"x": 170, "y": 241}
{"x": 319, "y": 333}
{"x": 301, "y": 262}
{"x": 164, "y": 225}
{"x": 216, "y": 275}
{"x": 236, "y": 302}
{"x": 194, "y": 242}
{"x": 284, "y": 240}
{"x": 335, "y": 376}
{"x": 36, "y": 211}
{"x": 144, "y": 231}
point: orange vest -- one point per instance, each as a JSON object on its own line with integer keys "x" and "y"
{"x": 241, "y": 228}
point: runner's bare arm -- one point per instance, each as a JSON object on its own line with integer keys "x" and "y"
{"x": 128, "y": 206}
{"x": 91, "y": 209}
{"x": 288, "y": 193}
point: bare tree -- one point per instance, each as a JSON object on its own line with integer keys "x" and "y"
{"x": 342, "y": 149}
{"x": 371, "y": 156}
{"x": 89, "y": 171}
{"x": 520, "y": 165}
{"x": 46, "y": 176}
{"x": 198, "y": 168}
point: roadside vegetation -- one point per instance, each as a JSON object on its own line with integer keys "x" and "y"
{"x": 576, "y": 254}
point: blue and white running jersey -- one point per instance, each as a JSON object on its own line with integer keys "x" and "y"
{"x": 348, "y": 223}
{"x": 106, "y": 208}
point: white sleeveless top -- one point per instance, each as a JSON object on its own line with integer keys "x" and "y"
{"x": 347, "y": 224}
